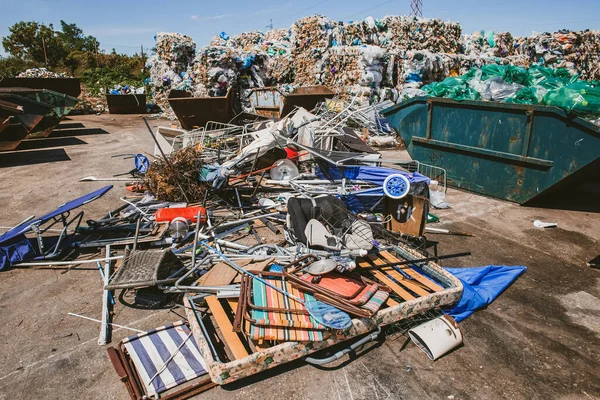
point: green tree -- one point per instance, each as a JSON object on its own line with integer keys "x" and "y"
{"x": 28, "y": 40}
{"x": 73, "y": 38}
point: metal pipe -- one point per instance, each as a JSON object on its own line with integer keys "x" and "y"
{"x": 105, "y": 327}
{"x": 241, "y": 221}
{"x": 322, "y": 361}
{"x": 74, "y": 262}
{"x": 97, "y": 320}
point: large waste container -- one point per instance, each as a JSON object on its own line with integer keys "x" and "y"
{"x": 508, "y": 151}
{"x": 272, "y": 103}
{"x": 68, "y": 86}
{"x": 61, "y": 104}
{"x": 125, "y": 103}
{"x": 197, "y": 111}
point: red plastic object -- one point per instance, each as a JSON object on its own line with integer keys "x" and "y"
{"x": 189, "y": 213}
{"x": 291, "y": 154}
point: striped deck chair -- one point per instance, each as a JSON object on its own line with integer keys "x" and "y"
{"x": 149, "y": 351}
{"x": 274, "y": 316}
{"x": 334, "y": 288}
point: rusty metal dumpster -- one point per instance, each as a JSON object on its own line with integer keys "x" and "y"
{"x": 272, "y": 103}
{"x": 197, "y": 111}
{"x": 69, "y": 86}
{"x": 61, "y": 103}
{"x": 508, "y": 151}
{"x": 126, "y": 103}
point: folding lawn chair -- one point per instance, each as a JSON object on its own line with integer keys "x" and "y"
{"x": 15, "y": 247}
{"x": 158, "y": 363}
{"x": 271, "y": 315}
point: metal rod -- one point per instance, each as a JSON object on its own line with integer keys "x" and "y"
{"x": 195, "y": 240}
{"x": 422, "y": 260}
{"x": 112, "y": 299}
{"x": 74, "y": 262}
{"x": 241, "y": 221}
{"x": 105, "y": 327}
{"x": 97, "y": 320}
{"x": 137, "y": 232}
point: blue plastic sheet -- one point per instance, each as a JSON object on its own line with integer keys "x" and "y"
{"x": 481, "y": 286}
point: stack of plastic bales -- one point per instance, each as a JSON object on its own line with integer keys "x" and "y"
{"x": 243, "y": 40}
{"x": 41, "y": 73}
{"x": 575, "y": 51}
{"x": 174, "y": 52}
{"x": 404, "y": 33}
{"x": 310, "y": 37}
{"x": 280, "y": 65}
{"x": 489, "y": 44}
{"x": 220, "y": 68}
{"x": 350, "y": 66}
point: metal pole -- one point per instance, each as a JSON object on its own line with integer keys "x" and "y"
{"x": 105, "y": 327}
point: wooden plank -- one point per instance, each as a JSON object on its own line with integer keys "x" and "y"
{"x": 390, "y": 283}
{"x": 231, "y": 338}
{"x": 398, "y": 277}
{"x": 414, "y": 274}
{"x": 254, "y": 266}
{"x": 221, "y": 274}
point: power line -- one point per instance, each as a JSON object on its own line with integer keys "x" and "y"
{"x": 417, "y": 8}
{"x": 308, "y": 9}
{"x": 369, "y": 9}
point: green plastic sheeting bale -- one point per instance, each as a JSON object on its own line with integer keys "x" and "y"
{"x": 565, "y": 98}
{"x": 492, "y": 70}
{"x": 445, "y": 87}
{"x": 465, "y": 93}
{"x": 451, "y": 88}
{"x": 527, "y": 95}
{"x": 549, "y": 78}
{"x": 515, "y": 74}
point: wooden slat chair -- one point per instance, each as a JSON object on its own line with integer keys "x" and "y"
{"x": 271, "y": 315}
{"x": 406, "y": 282}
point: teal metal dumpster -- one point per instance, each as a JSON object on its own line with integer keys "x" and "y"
{"x": 508, "y": 151}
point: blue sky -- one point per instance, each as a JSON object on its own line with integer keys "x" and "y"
{"x": 127, "y": 24}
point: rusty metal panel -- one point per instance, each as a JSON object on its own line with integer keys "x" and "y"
{"x": 197, "y": 111}
{"x": 509, "y": 151}
{"x": 271, "y": 102}
{"x": 126, "y": 103}
{"x": 69, "y": 86}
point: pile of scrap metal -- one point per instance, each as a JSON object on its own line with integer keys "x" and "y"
{"x": 298, "y": 236}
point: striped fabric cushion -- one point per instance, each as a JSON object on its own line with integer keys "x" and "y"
{"x": 375, "y": 302}
{"x": 281, "y": 325}
{"x": 150, "y": 350}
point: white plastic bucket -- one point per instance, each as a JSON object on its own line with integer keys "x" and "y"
{"x": 437, "y": 337}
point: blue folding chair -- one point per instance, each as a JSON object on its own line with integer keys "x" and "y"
{"x": 16, "y": 248}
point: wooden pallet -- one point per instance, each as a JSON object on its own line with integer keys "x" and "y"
{"x": 407, "y": 288}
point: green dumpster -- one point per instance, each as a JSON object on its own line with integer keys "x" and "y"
{"x": 508, "y": 151}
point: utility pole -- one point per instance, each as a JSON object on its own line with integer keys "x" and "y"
{"x": 143, "y": 62}
{"x": 417, "y": 8}
{"x": 45, "y": 56}
{"x": 270, "y": 26}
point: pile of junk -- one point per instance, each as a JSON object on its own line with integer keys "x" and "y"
{"x": 277, "y": 239}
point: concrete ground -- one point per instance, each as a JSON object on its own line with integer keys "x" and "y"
{"x": 539, "y": 340}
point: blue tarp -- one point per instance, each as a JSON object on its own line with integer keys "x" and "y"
{"x": 481, "y": 286}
